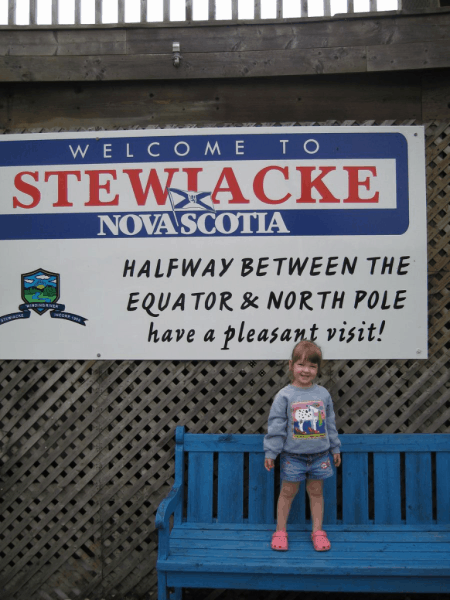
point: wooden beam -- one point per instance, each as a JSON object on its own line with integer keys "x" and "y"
{"x": 193, "y": 66}
{"x": 423, "y": 55}
{"x": 283, "y": 99}
{"x": 64, "y": 42}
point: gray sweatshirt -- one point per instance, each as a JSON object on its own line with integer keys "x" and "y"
{"x": 301, "y": 421}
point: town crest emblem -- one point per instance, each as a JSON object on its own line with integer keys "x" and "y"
{"x": 40, "y": 291}
{"x": 40, "y": 287}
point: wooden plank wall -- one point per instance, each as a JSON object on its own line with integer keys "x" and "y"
{"x": 87, "y": 446}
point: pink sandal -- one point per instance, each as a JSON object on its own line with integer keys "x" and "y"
{"x": 320, "y": 541}
{"x": 280, "y": 541}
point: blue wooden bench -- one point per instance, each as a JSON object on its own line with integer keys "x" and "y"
{"x": 387, "y": 516}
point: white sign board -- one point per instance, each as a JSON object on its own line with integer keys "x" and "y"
{"x": 213, "y": 243}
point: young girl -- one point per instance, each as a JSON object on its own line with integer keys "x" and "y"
{"x": 302, "y": 429}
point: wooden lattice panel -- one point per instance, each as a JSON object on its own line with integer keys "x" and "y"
{"x": 87, "y": 446}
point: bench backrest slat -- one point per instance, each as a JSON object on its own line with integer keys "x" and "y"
{"x": 355, "y": 493}
{"x": 443, "y": 487}
{"x": 384, "y": 479}
{"x": 230, "y": 496}
{"x": 200, "y": 487}
{"x": 245, "y": 442}
{"x": 387, "y": 488}
{"x": 419, "y": 498}
{"x": 261, "y": 499}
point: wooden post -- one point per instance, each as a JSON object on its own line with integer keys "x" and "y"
{"x": 326, "y": 8}
{"x": 55, "y": 16}
{"x": 188, "y": 11}
{"x": 279, "y": 9}
{"x": 121, "y": 12}
{"x": 350, "y": 6}
{"x": 257, "y": 10}
{"x": 11, "y": 12}
{"x": 212, "y": 9}
{"x": 234, "y": 10}
{"x": 77, "y": 12}
{"x": 166, "y": 11}
{"x": 373, "y": 5}
{"x": 304, "y": 8}
{"x": 143, "y": 11}
{"x": 98, "y": 11}
{"x": 33, "y": 20}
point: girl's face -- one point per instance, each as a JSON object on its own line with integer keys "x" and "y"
{"x": 303, "y": 372}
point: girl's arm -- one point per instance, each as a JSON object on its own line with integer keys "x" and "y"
{"x": 277, "y": 428}
{"x": 333, "y": 436}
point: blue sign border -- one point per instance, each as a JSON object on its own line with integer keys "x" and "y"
{"x": 256, "y": 146}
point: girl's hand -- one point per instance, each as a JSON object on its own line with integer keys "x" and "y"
{"x": 269, "y": 464}
{"x": 337, "y": 460}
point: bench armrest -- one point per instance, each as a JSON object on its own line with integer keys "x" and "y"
{"x": 167, "y": 508}
{"x": 162, "y": 521}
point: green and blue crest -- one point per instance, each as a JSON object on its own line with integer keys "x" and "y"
{"x": 40, "y": 287}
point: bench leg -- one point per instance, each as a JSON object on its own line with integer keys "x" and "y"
{"x": 163, "y": 593}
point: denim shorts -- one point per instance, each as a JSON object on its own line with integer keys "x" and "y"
{"x": 298, "y": 467}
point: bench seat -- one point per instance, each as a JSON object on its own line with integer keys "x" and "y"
{"x": 414, "y": 559}
{"x": 387, "y": 516}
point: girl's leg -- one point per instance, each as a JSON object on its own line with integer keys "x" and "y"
{"x": 314, "y": 487}
{"x": 288, "y": 492}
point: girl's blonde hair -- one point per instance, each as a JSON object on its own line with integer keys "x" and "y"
{"x": 307, "y": 350}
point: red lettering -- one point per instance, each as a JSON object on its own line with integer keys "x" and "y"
{"x": 233, "y": 187}
{"x": 26, "y": 188}
{"x": 354, "y": 184}
{"x": 192, "y": 182}
{"x": 62, "y": 185}
{"x": 308, "y": 183}
{"x": 258, "y": 185}
{"x": 153, "y": 183}
{"x": 95, "y": 187}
